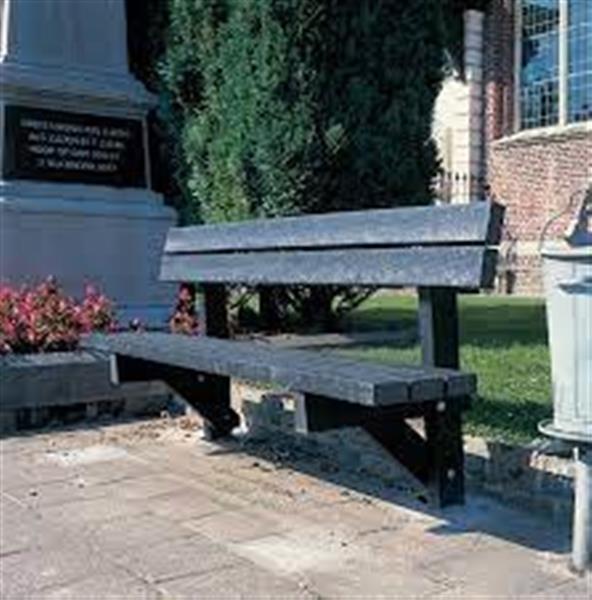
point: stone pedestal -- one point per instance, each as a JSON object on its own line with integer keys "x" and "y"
{"x": 75, "y": 197}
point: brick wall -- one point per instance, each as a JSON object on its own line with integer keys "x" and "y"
{"x": 533, "y": 174}
{"x": 535, "y": 178}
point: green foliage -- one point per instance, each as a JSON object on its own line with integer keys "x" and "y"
{"x": 273, "y": 107}
{"x": 502, "y": 339}
{"x": 147, "y": 21}
{"x": 382, "y": 68}
{"x": 291, "y": 106}
{"x": 227, "y": 67}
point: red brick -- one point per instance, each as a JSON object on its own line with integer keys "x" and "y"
{"x": 535, "y": 178}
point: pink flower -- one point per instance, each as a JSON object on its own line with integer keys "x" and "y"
{"x": 44, "y": 319}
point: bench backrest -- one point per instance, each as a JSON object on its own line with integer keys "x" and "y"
{"x": 435, "y": 246}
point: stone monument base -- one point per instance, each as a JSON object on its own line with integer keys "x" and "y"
{"x": 75, "y": 184}
{"x": 112, "y": 238}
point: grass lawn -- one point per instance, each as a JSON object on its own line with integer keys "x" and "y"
{"x": 503, "y": 340}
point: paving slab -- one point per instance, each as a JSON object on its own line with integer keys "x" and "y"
{"x": 35, "y": 495}
{"x": 124, "y": 534}
{"x": 184, "y": 505}
{"x": 91, "y": 511}
{"x": 234, "y": 583}
{"x": 350, "y": 581}
{"x": 12, "y": 473}
{"x": 571, "y": 590}
{"x": 149, "y": 510}
{"x": 176, "y": 558}
{"x": 494, "y": 573}
{"x": 21, "y": 529}
{"x": 114, "y": 585}
{"x": 26, "y": 574}
{"x": 238, "y": 525}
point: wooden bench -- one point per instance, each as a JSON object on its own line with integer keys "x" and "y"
{"x": 439, "y": 250}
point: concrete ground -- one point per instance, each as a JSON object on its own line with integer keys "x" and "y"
{"x": 149, "y": 510}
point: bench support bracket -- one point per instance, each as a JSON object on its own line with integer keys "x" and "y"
{"x": 435, "y": 460}
{"x": 208, "y": 394}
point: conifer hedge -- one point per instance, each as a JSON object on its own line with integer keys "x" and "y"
{"x": 296, "y": 106}
{"x": 275, "y": 107}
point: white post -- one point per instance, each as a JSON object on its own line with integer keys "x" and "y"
{"x": 582, "y": 519}
{"x": 563, "y": 61}
{"x": 473, "y": 58}
{"x": 517, "y": 64}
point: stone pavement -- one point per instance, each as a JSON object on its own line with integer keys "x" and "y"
{"x": 148, "y": 510}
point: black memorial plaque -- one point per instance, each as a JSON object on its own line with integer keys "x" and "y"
{"x": 51, "y": 145}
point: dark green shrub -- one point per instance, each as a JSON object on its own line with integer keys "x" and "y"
{"x": 291, "y": 106}
{"x": 287, "y": 106}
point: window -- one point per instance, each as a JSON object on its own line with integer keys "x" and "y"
{"x": 555, "y": 59}
{"x": 539, "y": 76}
{"x": 579, "y": 86}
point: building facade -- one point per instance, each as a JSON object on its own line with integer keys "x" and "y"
{"x": 516, "y": 125}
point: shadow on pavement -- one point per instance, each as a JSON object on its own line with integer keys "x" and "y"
{"x": 480, "y": 514}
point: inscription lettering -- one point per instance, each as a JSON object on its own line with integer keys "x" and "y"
{"x": 72, "y": 147}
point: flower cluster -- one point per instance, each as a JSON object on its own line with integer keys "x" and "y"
{"x": 44, "y": 319}
{"x": 184, "y": 319}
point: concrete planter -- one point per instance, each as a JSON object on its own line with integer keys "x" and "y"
{"x": 38, "y": 389}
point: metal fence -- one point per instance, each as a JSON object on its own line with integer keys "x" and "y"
{"x": 454, "y": 186}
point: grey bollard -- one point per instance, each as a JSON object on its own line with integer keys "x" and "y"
{"x": 582, "y": 520}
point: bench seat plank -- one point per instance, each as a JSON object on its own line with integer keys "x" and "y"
{"x": 446, "y": 266}
{"x": 446, "y": 224}
{"x": 332, "y": 376}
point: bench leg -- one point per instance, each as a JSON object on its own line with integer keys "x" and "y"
{"x": 445, "y": 456}
{"x": 211, "y": 398}
{"x": 214, "y": 311}
{"x": 438, "y": 327}
{"x": 208, "y": 394}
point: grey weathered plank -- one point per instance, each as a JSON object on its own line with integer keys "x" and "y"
{"x": 477, "y": 222}
{"x": 446, "y": 266}
{"x": 336, "y": 377}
